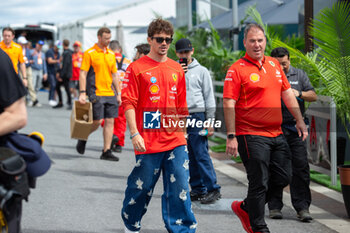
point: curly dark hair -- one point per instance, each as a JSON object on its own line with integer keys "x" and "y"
{"x": 160, "y": 25}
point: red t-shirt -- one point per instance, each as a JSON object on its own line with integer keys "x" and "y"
{"x": 77, "y": 59}
{"x": 256, "y": 87}
{"x": 157, "y": 92}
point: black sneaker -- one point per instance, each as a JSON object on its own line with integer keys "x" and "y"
{"x": 118, "y": 149}
{"x": 211, "y": 197}
{"x": 304, "y": 216}
{"x": 81, "y": 146}
{"x": 275, "y": 214}
{"x": 107, "y": 155}
{"x": 59, "y": 105}
{"x": 196, "y": 196}
{"x": 115, "y": 140}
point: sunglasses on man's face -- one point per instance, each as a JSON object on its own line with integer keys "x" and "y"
{"x": 160, "y": 40}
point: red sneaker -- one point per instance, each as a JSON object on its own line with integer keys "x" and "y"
{"x": 242, "y": 215}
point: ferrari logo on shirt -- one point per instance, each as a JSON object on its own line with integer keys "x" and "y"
{"x": 154, "y": 89}
{"x": 254, "y": 77}
{"x": 271, "y": 63}
{"x": 174, "y": 77}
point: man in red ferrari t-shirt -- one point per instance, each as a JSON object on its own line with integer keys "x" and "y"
{"x": 154, "y": 99}
{"x": 77, "y": 59}
{"x": 254, "y": 86}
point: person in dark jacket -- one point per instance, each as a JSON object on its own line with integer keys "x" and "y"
{"x": 64, "y": 75}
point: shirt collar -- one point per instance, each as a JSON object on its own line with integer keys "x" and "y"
{"x": 255, "y": 61}
{"x": 98, "y": 49}
{"x": 292, "y": 71}
{"x": 11, "y": 44}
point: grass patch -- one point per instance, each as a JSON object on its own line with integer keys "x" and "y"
{"x": 219, "y": 148}
{"x": 325, "y": 180}
{"x": 217, "y": 140}
{"x": 237, "y": 159}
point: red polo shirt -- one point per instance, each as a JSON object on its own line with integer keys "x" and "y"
{"x": 256, "y": 87}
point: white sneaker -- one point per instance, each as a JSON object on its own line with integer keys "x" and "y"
{"x": 30, "y": 104}
{"x": 126, "y": 230}
{"x": 52, "y": 102}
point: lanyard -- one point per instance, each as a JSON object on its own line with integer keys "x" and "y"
{"x": 252, "y": 63}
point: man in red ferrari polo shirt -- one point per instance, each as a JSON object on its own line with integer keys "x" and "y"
{"x": 254, "y": 86}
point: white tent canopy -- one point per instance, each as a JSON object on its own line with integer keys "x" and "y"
{"x": 131, "y": 16}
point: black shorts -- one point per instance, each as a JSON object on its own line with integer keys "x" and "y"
{"x": 104, "y": 107}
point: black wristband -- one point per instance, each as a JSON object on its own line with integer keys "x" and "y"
{"x": 300, "y": 94}
{"x": 82, "y": 91}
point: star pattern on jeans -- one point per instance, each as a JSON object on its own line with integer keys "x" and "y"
{"x": 139, "y": 183}
{"x": 150, "y": 193}
{"x": 156, "y": 171}
{"x": 137, "y": 224}
{"x": 179, "y": 222}
{"x": 132, "y": 201}
{"x": 146, "y": 206}
{"x": 172, "y": 178}
{"x": 193, "y": 226}
{"x": 186, "y": 150}
{"x": 185, "y": 165}
{"x": 171, "y": 156}
{"x": 138, "y": 163}
{"x": 183, "y": 195}
{"x": 126, "y": 216}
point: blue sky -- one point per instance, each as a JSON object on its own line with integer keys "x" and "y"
{"x": 55, "y": 11}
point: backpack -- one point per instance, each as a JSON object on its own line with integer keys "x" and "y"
{"x": 14, "y": 188}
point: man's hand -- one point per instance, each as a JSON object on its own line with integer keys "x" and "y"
{"x": 295, "y": 92}
{"x": 25, "y": 82}
{"x": 232, "y": 147}
{"x": 119, "y": 99}
{"x": 45, "y": 77}
{"x": 302, "y": 130}
{"x": 184, "y": 67}
{"x": 82, "y": 98}
{"x": 210, "y": 131}
{"x": 138, "y": 143}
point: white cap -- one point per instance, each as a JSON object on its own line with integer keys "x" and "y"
{"x": 22, "y": 40}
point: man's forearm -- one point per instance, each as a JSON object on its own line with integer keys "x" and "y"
{"x": 13, "y": 118}
{"x": 82, "y": 80}
{"x": 229, "y": 114}
{"x": 292, "y": 104}
{"x": 22, "y": 67}
{"x": 116, "y": 82}
{"x": 131, "y": 119}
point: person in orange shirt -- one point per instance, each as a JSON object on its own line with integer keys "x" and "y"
{"x": 253, "y": 88}
{"x": 77, "y": 59}
{"x": 14, "y": 51}
{"x": 154, "y": 96}
{"x": 98, "y": 73}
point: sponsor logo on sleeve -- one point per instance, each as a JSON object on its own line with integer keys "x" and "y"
{"x": 272, "y": 63}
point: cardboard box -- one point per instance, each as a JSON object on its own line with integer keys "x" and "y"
{"x": 81, "y": 120}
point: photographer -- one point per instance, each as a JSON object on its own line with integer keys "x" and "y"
{"x": 13, "y": 116}
{"x": 21, "y": 157}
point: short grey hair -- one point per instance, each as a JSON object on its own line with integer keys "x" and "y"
{"x": 114, "y": 44}
{"x": 253, "y": 25}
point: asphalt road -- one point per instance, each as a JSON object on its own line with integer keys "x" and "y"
{"x": 83, "y": 194}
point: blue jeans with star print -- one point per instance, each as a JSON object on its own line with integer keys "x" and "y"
{"x": 176, "y": 203}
